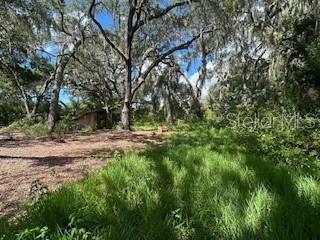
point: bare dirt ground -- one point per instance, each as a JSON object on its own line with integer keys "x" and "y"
{"x": 24, "y": 160}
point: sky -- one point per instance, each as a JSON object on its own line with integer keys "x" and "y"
{"x": 106, "y": 20}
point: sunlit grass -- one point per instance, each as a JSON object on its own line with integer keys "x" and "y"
{"x": 206, "y": 184}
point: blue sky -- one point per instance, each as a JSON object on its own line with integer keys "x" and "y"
{"x": 105, "y": 19}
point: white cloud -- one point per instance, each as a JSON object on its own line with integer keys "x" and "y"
{"x": 145, "y": 66}
{"x": 160, "y": 68}
{"x": 209, "y": 82}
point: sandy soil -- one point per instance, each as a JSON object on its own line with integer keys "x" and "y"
{"x": 24, "y": 160}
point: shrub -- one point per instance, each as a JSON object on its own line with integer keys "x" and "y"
{"x": 87, "y": 130}
{"x": 65, "y": 125}
{"x": 296, "y": 144}
{"x": 37, "y": 127}
{"x": 34, "y": 233}
{"x": 31, "y": 127}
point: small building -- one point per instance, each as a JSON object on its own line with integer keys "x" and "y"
{"x": 96, "y": 119}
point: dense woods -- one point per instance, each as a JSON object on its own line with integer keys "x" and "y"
{"x": 263, "y": 55}
{"x": 236, "y": 82}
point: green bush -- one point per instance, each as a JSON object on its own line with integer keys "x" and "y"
{"x": 31, "y": 127}
{"x": 11, "y": 111}
{"x": 37, "y": 127}
{"x": 296, "y": 144}
{"x": 65, "y": 125}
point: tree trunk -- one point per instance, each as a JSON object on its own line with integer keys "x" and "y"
{"x": 169, "y": 117}
{"x": 154, "y": 98}
{"x": 41, "y": 94}
{"x": 108, "y": 118}
{"x": 62, "y": 61}
{"x": 26, "y": 106}
{"x": 24, "y": 97}
{"x": 197, "y": 92}
{"x": 197, "y": 108}
{"x": 36, "y": 106}
{"x": 54, "y": 103}
{"x": 155, "y": 105}
{"x": 126, "y": 110}
{"x": 125, "y": 116}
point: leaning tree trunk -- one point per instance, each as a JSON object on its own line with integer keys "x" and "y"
{"x": 26, "y": 105}
{"x": 54, "y": 103}
{"x": 24, "y": 97}
{"x": 41, "y": 94}
{"x": 197, "y": 92}
{"x": 62, "y": 62}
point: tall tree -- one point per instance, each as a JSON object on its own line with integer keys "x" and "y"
{"x": 271, "y": 58}
{"x": 218, "y": 16}
{"x": 70, "y": 24}
{"x": 133, "y": 38}
{"x": 24, "y": 29}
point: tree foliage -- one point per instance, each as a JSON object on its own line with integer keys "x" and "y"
{"x": 138, "y": 54}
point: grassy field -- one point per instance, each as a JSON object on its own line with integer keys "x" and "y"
{"x": 203, "y": 184}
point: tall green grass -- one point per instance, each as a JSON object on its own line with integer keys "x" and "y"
{"x": 203, "y": 184}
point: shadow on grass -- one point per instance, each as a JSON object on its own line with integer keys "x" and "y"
{"x": 185, "y": 190}
{"x": 291, "y": 217}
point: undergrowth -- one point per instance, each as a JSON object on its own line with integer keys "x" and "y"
{"x": 38, "y": 127}
{"x": 203, "y": 184}
{"x": 146, "y": 125}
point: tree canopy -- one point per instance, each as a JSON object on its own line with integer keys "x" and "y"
{"x": 159, "y": 56}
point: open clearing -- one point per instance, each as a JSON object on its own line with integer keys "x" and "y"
{"x": 24, "y": 160}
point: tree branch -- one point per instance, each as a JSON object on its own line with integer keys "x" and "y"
{"x": 108, "y": 40}
{"x": 161, "y": 58}
{"x": 161, "y": 13}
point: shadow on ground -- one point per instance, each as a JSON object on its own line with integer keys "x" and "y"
{"x": 200, "y": 185}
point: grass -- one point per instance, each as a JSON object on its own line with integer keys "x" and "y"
{"x": 146, "y": 125}
{"x": 203, "y": 184}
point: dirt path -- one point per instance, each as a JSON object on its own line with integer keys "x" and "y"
{"x": 23, "y": 161}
